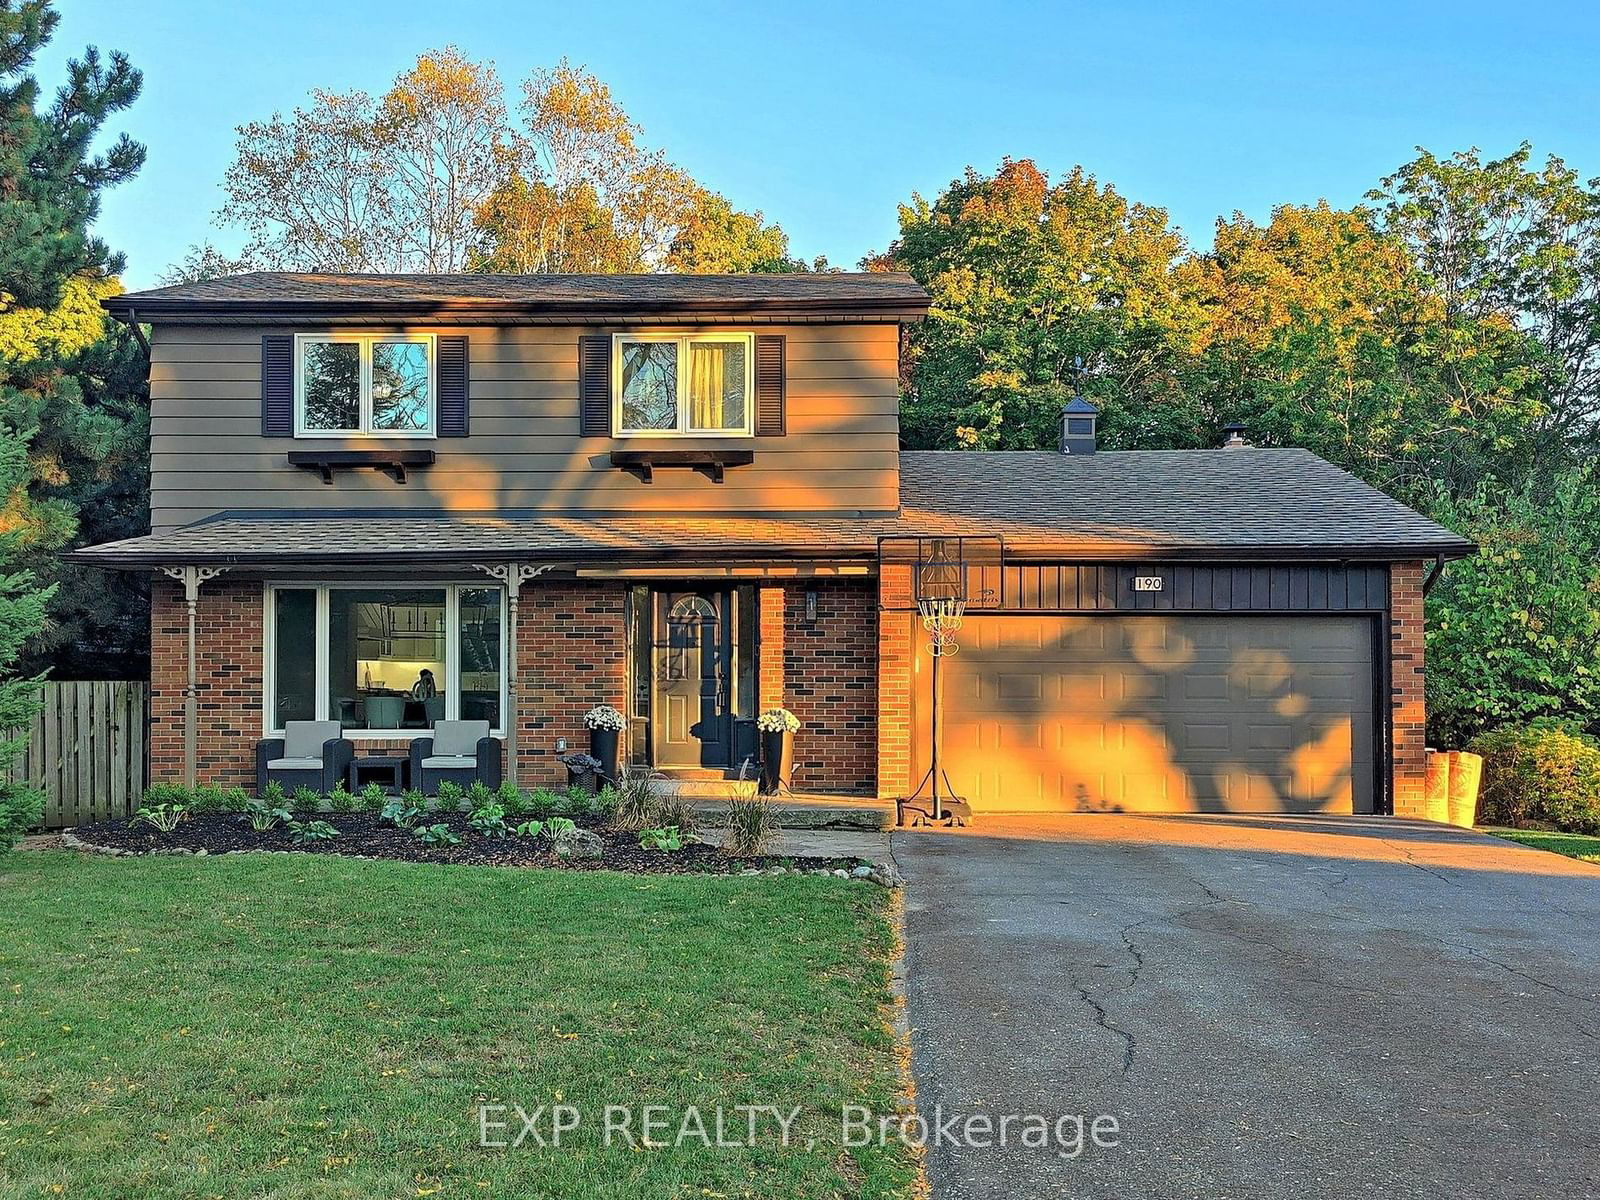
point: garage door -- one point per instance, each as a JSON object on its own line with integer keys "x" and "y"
{"x": 1158, "y": 714}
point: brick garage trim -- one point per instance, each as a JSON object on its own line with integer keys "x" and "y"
{"x": 1408, "y": 711}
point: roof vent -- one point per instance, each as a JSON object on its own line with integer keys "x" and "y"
{"x": 1077, "y": 426}
{"x": 1235, "y": 439}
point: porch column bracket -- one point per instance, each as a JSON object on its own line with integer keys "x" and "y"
{"x": 513, "y": 575}
{"x": 192, "y": 577}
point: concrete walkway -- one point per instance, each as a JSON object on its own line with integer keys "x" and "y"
{"x": 1269, "y": 1007}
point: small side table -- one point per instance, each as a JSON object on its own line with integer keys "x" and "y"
{"x": 391, "y": 770}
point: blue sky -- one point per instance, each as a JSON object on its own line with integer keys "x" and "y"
{"x": 827, "y": 115}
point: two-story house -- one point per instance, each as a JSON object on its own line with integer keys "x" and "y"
{"x": 669, "y": 494}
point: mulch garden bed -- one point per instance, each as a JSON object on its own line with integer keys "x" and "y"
{"x": 362, "y": 835}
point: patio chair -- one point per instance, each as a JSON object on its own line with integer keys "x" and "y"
{"x": 460, "y": 751}
{"x": 313, "y": 754}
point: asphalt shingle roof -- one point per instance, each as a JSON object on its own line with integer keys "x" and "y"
{"x": 1192, "y": 504}
{"x": 842, "y": 293}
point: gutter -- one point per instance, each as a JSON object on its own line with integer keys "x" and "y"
{"x": 131, "y": 320}
{"x": 1433, "y": 574}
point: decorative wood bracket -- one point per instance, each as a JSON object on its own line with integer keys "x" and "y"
{"x": 509, "y": 572}
{"x": 394, "y": 462}
{"x": 192, "y": 577}
{"x": 713, "y": 464}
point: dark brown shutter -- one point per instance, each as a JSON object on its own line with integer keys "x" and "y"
{"x": 455, "y": 418}
{"x": 769, "y": 385}
{"x": 277, "y": 385}
{"x": 594, "y": 385}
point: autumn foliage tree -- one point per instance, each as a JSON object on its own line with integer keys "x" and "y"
{"x": 434, "y": 176}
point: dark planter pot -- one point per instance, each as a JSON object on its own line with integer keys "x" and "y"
{"x": 603, "y": 745}
{"x": 583, "y": 781}
{"x": 777, "y": 761}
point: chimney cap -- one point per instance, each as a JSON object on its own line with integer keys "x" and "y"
{"x": 1078, "y": 406}
{"x": 1235, "y": 439}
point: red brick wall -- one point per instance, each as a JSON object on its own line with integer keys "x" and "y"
{"x": 1409, "y": 706}
{"x": 830, "y": 683}
{"x": 894, "y": 684}
{"x": 571, "y": 639}
{"x": 228, "y": 658}
{"x": 770, "y": 609}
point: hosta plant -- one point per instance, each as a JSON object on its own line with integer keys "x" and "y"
{"x": 163, "y": 818}
{"x": 263, "y": 815}
{"x": 436, "y": 835}
{"x": 401, "y": 813}
{"x": 488, "y": 820}
{"x": 667, "y": 838}
{"x": 301, "y": 832}
{"x": 529, "y": 829}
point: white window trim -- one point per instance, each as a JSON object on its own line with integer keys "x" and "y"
{"x": 452, "y": 658}
{"x": 684, "y": 340}
{"x": 365, "y": 341}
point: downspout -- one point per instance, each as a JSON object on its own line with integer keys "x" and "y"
{"x": 513, "y": 575}
{"x": 1433, "y": 575}
{"x": 132, "y": 322}
{"x": 191, "y": 577}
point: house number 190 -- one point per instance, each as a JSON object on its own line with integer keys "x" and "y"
{"x": 1147, "y": 583}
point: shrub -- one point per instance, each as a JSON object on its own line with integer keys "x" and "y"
{"x": 449, "y": 796}
{"x": 208, "y": 798}
{"x": 374, "y": 796}
{"x": 236, "y": 799}
{"x": 541, "y": 802}
{"x": 164, "y": 818}
{"x": 274, "y": 794}
{"x": 168, "y": 793}
{"x": 306, "y": 799}
{"x": 479, "y": 795}
{"x": 511, "y": 798}
{"x": 667, "y": 838}
{"x": 752, "y": 821}
{"x": 340, "y": 800}
{"x": 21, "y": 808}
{"x": 603, "y": 804}
{"x": 436, "y": 835}
{"x": 264, "y": 815}
{"x": 1541, "y": 776}
{"x": 301, "y": 832}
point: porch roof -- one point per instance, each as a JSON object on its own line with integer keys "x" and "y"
{"x": 1219, "y": 505}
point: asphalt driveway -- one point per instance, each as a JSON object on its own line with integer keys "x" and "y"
{"x": 1268, "y": 1007}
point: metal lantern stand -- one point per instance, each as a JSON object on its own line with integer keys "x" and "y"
{"x": 941, "y": 617}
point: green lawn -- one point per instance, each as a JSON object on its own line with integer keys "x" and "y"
{"x": 276, "y": 1026}
{"x": 1573, "y": 845}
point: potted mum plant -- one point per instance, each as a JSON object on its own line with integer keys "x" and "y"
{"x": 605, "y": 732}
{"x": 777, "y": 726}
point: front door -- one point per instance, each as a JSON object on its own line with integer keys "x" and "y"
{"x": 692, "y": 663}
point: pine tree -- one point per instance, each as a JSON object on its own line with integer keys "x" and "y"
{"x": 52, "y": 274}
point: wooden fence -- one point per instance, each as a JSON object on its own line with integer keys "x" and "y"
{"x": 86, "y": 749}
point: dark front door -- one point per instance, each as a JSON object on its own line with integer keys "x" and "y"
{"x": 693, "y": 656}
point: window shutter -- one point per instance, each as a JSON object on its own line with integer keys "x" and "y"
{"x": 455, "y": 418}
{"x": 594, "y": 385}
{"x": 277, "y": 385}
{"x": 769, "y": 385}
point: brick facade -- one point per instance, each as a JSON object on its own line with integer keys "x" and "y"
{"x": 572, "y": 643}
{"x": 895, "y": 679}
{"x": 830, "y": 682}
{"x": 1408, "y": 701}
{"x": 228, "y": 640}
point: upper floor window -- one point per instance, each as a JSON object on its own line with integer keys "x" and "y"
{"x": 682, "y": 384}
{"x": 368, "y": 384}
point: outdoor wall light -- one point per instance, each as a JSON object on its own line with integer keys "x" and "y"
{"x": 811, "y": 608}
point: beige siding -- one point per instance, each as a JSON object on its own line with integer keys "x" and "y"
{"x": 208, "y": 454}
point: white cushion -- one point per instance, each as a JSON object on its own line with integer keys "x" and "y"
{"x": 451, "y": 762}
{"x": 458, "y": 737}
{"x": 303, "y": 739}
{"x": 294, "y": 764}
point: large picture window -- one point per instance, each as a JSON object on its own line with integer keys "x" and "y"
{"x": 385, "y": 660}
{"x": 681, "y": 384}
{"x": 356, "y": 383}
